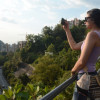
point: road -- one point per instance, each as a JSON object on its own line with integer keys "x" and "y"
{"x": 3, "y": 82}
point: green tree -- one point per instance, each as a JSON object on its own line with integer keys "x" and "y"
{"x": 66, "y": 59}
{"x": 78, "y": 33}
{"x": 2, "y": 60}
{"x": 47, "y": 71}
{"x": 51, "y": 48}
{"x": 24, "y": 79}
{"x": 35, "y": 43}
{"x": 59, "y": 36}
{"x": 47, "y": 30}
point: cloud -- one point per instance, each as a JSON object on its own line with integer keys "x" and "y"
{"x": 22, "y": 34}
{"x": 21, "y": 16}
{"x": 91, "y": 3}
{"x": 21, "y": 11}
{"x": 85, "y": 3}
{"x": 49, "y": 12}
{"x": 5, "y": 19}
{"x": 82, "y": 16}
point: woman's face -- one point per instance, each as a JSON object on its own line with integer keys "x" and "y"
{"x": 89, "y": 22}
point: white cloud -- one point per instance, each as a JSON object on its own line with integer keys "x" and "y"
{"x": 21, "y": 16}
{"x": 72, "y": 3}
{"x": 82, "y": 16}
{"x": 9, "y": 32}
{"x": 84, "y": 3}
{"x": 27, "y": 5}
{"x": 9, "y": 20}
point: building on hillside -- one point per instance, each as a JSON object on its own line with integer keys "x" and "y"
{"x": 71, "y": 23}
{"x": 21, "y": 44}
{"x": 7, "y": 47}
{"x": 14, "y": 47}
{"x": 48, "y": 53}
{"x": 11, "y": 48}
{"x": 74, "y": 22}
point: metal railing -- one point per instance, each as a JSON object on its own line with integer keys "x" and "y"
{"x": 60, "y": 88}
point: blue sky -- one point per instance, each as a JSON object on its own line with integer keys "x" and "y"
{"x": 21, "y": 17}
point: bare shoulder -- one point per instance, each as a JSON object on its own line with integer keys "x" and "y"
{"x": 91, "y": 38}
{"x": 92, "y": 35}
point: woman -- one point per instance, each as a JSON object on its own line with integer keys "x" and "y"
{"x": 90, "y": 47}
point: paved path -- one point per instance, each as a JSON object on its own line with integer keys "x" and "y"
{"x": 3, "y": 82}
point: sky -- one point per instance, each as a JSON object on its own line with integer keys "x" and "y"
{"x": 21, "y": 17}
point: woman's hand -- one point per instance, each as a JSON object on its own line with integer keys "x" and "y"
{"x": 73, "y": 72}
{"x": 66, "y": 26}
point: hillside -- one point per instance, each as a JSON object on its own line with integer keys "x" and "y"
{"x": 2, "y": 45}
{"x": 26, "y": 68}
